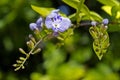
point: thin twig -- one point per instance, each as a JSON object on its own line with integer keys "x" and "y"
{"x": 28, "y": 55}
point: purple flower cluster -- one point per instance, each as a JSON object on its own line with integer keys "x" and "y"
{"x": 56, "y": 22}
{"x": 53, "y": 21}
{"x": 36, "y": 26}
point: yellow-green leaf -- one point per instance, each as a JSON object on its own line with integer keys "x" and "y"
{"x": 72, "y": 3}
{"x": 43, "y": 11}
{"x": 101, "y": 40}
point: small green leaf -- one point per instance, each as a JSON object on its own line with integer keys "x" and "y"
{"x": 94, "y": 32}
{"x": 107, "y": 9}
{"x": 42, "y": 10}
{"x": 72, "y": 17}
{"x": 101, "y": 40}
{"x": 67, "y": 33}
{"x": 86, "y": 11}
{"x": 97, "y": 50}
{"x": 111, "y": 2}
{"x": 72, "y": 3}
{"x": 114, "y": 11}
{"x": 114, "y": 28}
{"x": 79, "y": 7}
{"x": 95, "y": 16}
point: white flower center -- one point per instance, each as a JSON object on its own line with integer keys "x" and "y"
{"x": 56, "y": 25}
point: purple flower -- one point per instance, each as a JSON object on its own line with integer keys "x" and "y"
{"x": 39, "y": 23}
{"x": 36, "y": 26}
{"x": 105, "y": 21}
{"x": 33, "y": 26}
{"x": 56, "y": 22}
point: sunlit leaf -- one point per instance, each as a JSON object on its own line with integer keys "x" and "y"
{"x": 95, "y": 16}
{"x": 42, "y": 10}
{"x": 101, "y": 40}
{"x": 109, "y": 10}
{"x": 86, "y": 11}
{"x": 94, "y": 32}
{"x": 72, "y": 3}
{"x": 109, "y": 2}
{"x": 67, "y": 71}
{"x": 67, "y": 33}
{"x": 79, "y": 7}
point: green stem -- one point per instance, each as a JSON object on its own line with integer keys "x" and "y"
{"x": 28, "y": 55}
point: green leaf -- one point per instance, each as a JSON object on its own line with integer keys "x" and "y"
{"x": 72, "y": 3}
{"x": 67, "y": 33}
{"x": 42, "y": 10}
{"x": 114, "y": 28}
{"x": 114, "y": 11}
{"x": 101, "y": 40}
{"x": 109, "y": 2}
{"x": 107, "y": 9}
{"x": 94, "y": 31}
{"x": 80, "y": 7}
{"x": 80, "y": 4}
{"x": 86, "y": 11}
{"x": 95, "y": 16}
{"x": 72, "y": 17}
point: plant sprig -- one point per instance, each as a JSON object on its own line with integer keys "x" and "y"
{"x": 32, "y": 44}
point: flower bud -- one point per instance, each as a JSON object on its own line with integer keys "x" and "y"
{"x": 93, "y": 23}
{"x": 105, "y": 21}
{"x": 37, "y": 51}
{"x": 32, "y": 38}
{"x": 30, "y": 44}
{"x": 39, "y": 23}
{"x": 22, "y": 51}
{"x": 33, "y": 26}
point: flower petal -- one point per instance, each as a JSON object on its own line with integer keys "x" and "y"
{"x": 39, "y": 22}
{"x": 64, "y": 24}
{"x": 33, "y": 26}
{"x": 48, "y": 23}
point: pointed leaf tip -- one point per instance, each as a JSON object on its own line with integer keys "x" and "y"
{"x": 43, "y": 11}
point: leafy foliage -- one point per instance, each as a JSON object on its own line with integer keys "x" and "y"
{"x": 101, "y": 40}
{"x": 114, "y": 11}
{"x": 99, "y": 34}
{"x": 65, "y": 55}
{"x": 32, "y": 45}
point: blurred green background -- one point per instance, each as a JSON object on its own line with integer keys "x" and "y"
{"x": 75, "y": 60}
